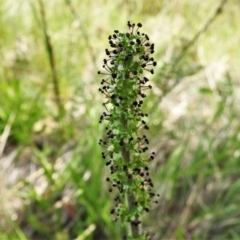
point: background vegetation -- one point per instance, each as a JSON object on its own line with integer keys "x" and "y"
{"x": 52, "y": 178}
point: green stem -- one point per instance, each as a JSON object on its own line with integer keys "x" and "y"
{"x": 52, "y": 61}
{"x": 189, "y": 44}
{"x": 132, "y": 230}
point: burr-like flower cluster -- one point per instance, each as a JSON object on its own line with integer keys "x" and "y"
{"x": 125, "y": 144}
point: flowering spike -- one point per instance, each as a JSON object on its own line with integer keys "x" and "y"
{"x": 126, "y": 145}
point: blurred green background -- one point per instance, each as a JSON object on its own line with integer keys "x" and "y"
{"x": 52, "y": 177}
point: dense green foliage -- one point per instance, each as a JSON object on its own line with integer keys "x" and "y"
{"x": 52, "y": 176}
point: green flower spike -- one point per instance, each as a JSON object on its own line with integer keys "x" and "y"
{"x": 124, "y": 87}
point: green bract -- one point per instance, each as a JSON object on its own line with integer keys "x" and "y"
{"x": 125, "y": 144}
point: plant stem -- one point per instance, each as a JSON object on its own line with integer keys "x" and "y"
{"x": 132, "y": 230}
{"x": 83, "y": 31}
{"x": 189, "y": 44}
{"x": 52, "y": 62}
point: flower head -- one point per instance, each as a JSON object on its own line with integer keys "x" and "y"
{"x": 110, "y": 148}
{"x": 126, "y": 146}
